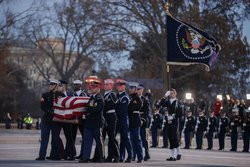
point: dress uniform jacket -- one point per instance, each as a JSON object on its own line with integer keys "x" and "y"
{"x": 134, "y": 108}
{"x": 94, "y": 113}
{"x": 223, "y": 124}
{"x": 201, "y": 123}
{"x": 145, "y": 109}
{"x": 189, "y": 124}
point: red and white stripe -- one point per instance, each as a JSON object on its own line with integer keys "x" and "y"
{"x": 70, "y": 107}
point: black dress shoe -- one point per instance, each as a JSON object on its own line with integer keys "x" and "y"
{"x": 178, "y": 157}
{"x": 49, "y": 158}
{"x": 78, "y": 157}
{"x": 246, "y": 151}
{"x": 120, "y": 160}
{"x": 83, "y": 160}
{"x": 108, "y": 159}
{"x": 40, "y": 159}
{"x": 209, "y": 148}
{"x": 128, "y": 160}
{"x": 94, "y": 160}
{"x": 56, "y": 159}
{"x": 198, "y": 148}
{"x": 71, "y": 158}
{"x": 185, "y": 147}
{"x": 232, "y": 150}
{"x": 116, "y": 160}
{"x": 140, "y": 161}
{"x": 147, "y": 157}
{"x": 171, "y": 159}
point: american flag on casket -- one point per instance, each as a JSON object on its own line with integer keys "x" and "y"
{"x": 70, "y": 107}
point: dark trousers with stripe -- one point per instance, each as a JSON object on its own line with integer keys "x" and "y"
{"x": 221, "y": 137}
{"x": 246, "y": 137}
{"x": 145, "y": 141}
{"x": 89, "y": 135}
{"x": 125, "y": 139}
{"x": 199, "y": 139}
{"x": 234, "y": 138}
{"x": 165, "y": 137}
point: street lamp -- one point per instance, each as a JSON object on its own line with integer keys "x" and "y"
{"x": 248, "y": 96}
{"x": 188, "y": 96}
{"x": 219, "y": 97}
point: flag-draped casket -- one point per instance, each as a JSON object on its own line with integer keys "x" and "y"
{"x": 69, "y": 108}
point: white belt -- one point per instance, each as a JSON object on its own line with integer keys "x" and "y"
{"x": 110, "y": 111}
{"x": 136, "y": 112}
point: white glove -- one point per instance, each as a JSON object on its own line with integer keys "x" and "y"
{"x": 83, "y": 117}
{"x": 167, "y": 93}
{"x": 170, "y": 118}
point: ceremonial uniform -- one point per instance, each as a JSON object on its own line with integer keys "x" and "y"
{"x": 164, "y": 114}
{"x": 189, "y": 127}
{"x": 135, "y": 124}
{"x": 246, "y": 133}
{"x": 110, "y": 128}
{"x": 156, "y": 124}
{"x": 200, "y": 128}
{"x": 123, "y": 125}
{"x": 174, "y": 109}
{"x": 211, "y": 128}
{"x": 235, "y": 122}
{"x": 93, "y": 127}
{"x": 145, "y": 110}
{"x": 68, "y": 152}
{"x": 80, "y": 126}
{"x": 47, "y": 124}
{"x": 223, "y": 124}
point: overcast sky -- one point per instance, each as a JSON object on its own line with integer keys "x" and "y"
{"x": 21, "y": 5}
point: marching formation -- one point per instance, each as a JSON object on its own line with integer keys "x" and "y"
{"x": 131, "y": 115}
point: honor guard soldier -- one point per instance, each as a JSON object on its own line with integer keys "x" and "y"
{"x": 222, "y": 127}
{"x": 69, "y": 151}
{"x": 78, "y": 92}
{"x": 211, "y": 128}
{"x": 246, "y": 131}
{"x": 164, "y": 113}
{"x": 156, "y": 125}
{"x": 200, "y": 128}
{"x": 47, "y": 124}
{"x": 189, "y": 127}
{"x": 144, "y": 112}
{"x": 235, "y": 123}
{"x": 123, "y": 121}
{"x": 134, "y": 108}
{"x": 93, "y": 123}
{"x": 111, "y": 121}
{"x": 174, "y": 113}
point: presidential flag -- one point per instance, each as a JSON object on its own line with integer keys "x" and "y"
{"x": 70, "y": 107}
{"x": 189, "y": 45}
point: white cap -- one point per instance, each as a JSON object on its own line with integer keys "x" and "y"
{"x": 77, "y": 82}
{"x": 109, "y": 81}
{"x": 133, "y": 84}
{"x": 55, "y": 81}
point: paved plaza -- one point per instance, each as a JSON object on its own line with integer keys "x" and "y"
{"x": 21, "y": 153}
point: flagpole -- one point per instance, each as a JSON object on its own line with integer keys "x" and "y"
{"x": 166, "y": 6}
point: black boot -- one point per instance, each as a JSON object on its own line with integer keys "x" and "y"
{"x": 40, "y": 159}
{"x": 171, "y": 159}
{"x": 178, "y": 157}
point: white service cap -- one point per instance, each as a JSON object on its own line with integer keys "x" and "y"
{"x": 77, "y": 82}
